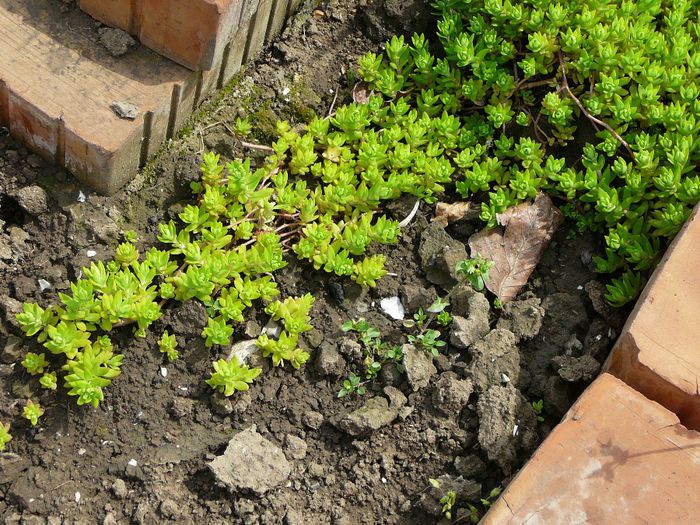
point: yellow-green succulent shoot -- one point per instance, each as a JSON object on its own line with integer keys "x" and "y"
{"x": 5, "y": 436}
{"x": 32, "y": 412}
{"x": 49, "y": 381}
{"x": 35, "y": 363}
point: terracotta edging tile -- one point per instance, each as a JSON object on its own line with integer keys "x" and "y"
{"x": 658, "y": 352}
{"x": 616, "y": 458}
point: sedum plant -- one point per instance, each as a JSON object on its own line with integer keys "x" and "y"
{"x": 35, "y": 363}
{"x": 229, "y": 376}
{"x": 168, "y": 346}
{"x": 513, "y": 87}
{"x": 5, "y": 436}
{"x": 32, "y": 412}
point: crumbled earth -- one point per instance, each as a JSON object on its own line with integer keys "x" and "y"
{"x": 116, "y": 41}
{"x": 464, "y": 417}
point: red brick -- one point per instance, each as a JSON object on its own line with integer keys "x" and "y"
{"x": 57, "y": 85}
{"x": 658, "y": 352}
{"x": 616, "y": 458}
{"x": 193, "y": 33}
{"x": 114, "y": 13}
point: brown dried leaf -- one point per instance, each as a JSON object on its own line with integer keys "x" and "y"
{"x": 360, "y": 93}
{"x": 528, "y": 229}
{"x": 446, "y": 213}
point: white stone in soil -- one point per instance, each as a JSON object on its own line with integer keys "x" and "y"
{"x": 393, "y": 308}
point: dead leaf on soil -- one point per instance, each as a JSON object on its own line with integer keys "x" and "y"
{"x": 528, "y": 229}
{"x": 446, "y": 213}
{"x": 360, "y": 93}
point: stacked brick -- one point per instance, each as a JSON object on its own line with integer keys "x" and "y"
{"x": 58, "y": 86}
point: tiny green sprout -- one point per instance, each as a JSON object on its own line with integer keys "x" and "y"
{"x": 5, "y": 436}
{"x": 32, "y": 412}
{"x": 242, "y": 127}
{"x": 444, "y": 318}
{"x": 448, "y": 499}
{"x": 130, "y": 236}
{"x": 352, "y": 385}
{"x": 429, "y": 340}
{"x": 229, "y": 376}
{"x": 475, "y": 271}
{"x": 488, "y": 500}
{"x": 537, "y": 407}
{"x": 35, "y": 363}
{"x": 498, "y": 304}
{"x": 168, "y": 346}
{"x": 420, "y": 317}
{"x": 49, "y": 381}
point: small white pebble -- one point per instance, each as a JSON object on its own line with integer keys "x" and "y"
{"x": 515, "y": 430}
{"x": 77, "y": 497}
{"x": 82, "y": 452}
{"x": 393, "y": 308}
{"x": 163, "y": 371}
{"x": 44, "y": 284}
{"x": 184, "y": 388}
{"x": 505, "y": 378}
{"x": 81, "y": 197}
{"x": 579, "y": 287}
{"x": 91, "y": 253}
{"x": 383, "y": 479}
{"x": 133, "y": 462}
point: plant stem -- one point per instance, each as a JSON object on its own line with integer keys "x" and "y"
{"x": 565, "y": 87}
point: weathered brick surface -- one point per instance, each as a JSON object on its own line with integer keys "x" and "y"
{"x": 616, "y": 458}
{"x": 57, "y": 85}
{"x": 194, "y": 33}
{"x": 658, "y": 352}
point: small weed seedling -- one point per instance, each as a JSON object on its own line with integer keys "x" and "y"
{"x": 474, "y": 514}
{"x": 448, "y": 500}
{"x": 474, "y": 271}
{"x": 537, "y": 407}
{"x": 352, "y": 385}
{"x": 376, "y": 353}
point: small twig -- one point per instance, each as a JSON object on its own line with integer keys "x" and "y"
{"x": 410, "y": 216}
{"x": 335, "y": 99}
{"x": 537, "y": 83}
{"x": 565, "y": 87}
{"x": 253, "y": 145}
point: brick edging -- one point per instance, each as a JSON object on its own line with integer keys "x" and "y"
{"x": 658, "y": 352}
{"x": 640, "y": 417}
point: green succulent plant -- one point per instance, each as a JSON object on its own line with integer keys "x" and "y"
{"x": 229, "y": 376}
{"x": 5, "y": 436}
{"x": 32, "y": 412}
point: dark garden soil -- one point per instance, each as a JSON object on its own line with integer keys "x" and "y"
{"x": 143, "y": 455}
